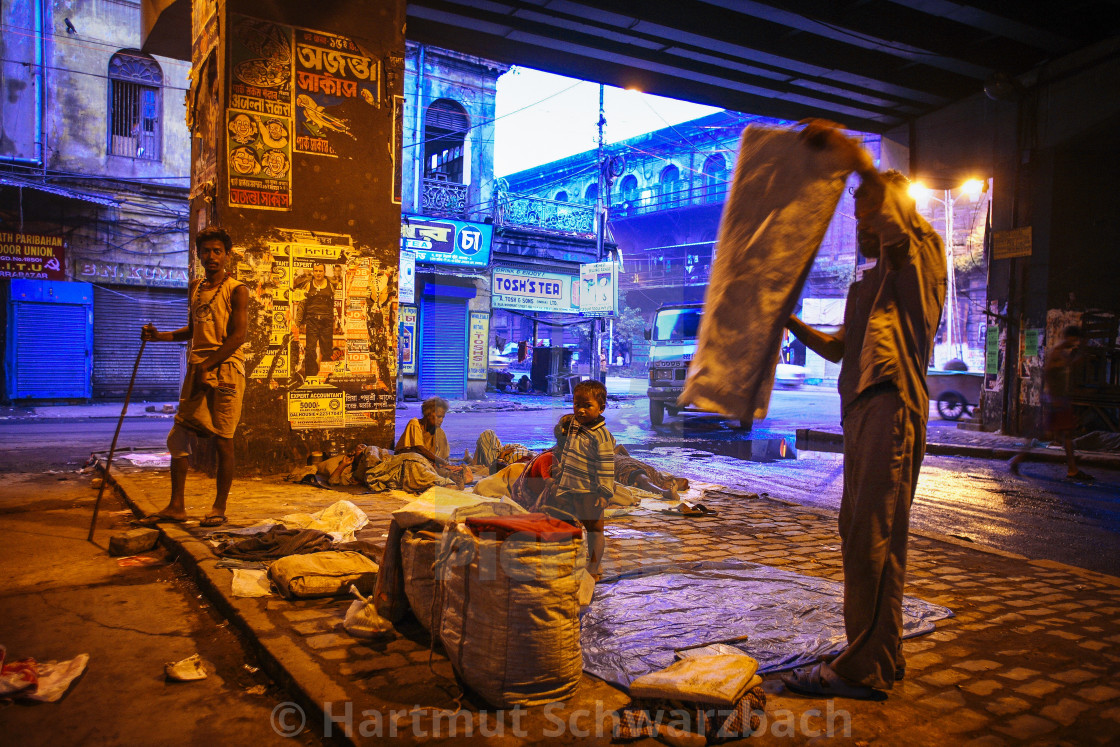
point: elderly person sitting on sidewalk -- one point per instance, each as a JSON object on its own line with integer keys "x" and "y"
{"x": 425, "y": 436}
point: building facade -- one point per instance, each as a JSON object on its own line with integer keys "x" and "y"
{"x": 667, "y": 195}
{"x": 94, "y": 179}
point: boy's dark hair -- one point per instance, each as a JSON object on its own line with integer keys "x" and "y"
{"x": 211, "y": 233}
{"x": 1072, "y": 331}
{"x": 595, "y": 388}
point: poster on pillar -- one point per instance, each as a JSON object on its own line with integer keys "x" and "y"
{"x": 259, "y": 117}
{"x": 331, "y": 309}
{"x": 336, "y": 85}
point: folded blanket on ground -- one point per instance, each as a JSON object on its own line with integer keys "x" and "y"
{"x": 277, "y": 542}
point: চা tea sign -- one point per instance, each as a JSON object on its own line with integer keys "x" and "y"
{"x": 442, "y": 241}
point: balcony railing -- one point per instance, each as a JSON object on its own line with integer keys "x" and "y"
{"x": 512, "y": 209}
{"x": 667, "y": 197}
{"x": 443, "y": 198}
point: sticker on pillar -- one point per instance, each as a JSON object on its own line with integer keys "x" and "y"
{"x": 314, "y": 407}
{"x": 335, "y": 86}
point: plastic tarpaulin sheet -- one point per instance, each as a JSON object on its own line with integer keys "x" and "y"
{"x": 635, "y": 622}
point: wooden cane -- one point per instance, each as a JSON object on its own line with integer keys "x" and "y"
{"x": 113, "y": 447}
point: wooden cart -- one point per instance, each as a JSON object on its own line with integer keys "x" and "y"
{"x": 955, "y": 392}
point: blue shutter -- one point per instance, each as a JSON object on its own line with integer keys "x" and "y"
{"x": 51, "y": 343}
{"x": 443, "y": 347}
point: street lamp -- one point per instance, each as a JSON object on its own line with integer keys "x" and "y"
{"x": 970, "y": 190}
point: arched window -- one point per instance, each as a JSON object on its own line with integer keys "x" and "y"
{"x": 135, "y": 105}
{"x": 714, "y": 177}
{"x": 592, "y": 193}
{"x": 628, "y": 188}
{"x": 561, "y": 196}
{"x": 670, "y": 184}
{"x": 445, "y": 131}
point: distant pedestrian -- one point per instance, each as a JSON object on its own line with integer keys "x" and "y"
{"x": 213, "y": 389}
{"x": 1061, "y": 420}
{"x": 890, "y": 321}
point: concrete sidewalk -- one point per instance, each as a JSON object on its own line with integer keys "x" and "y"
{"x": 1033, "y": 654}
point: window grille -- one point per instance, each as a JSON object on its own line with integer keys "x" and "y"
{"x": 445, "y": 129}
{"x": 135, "y": 105}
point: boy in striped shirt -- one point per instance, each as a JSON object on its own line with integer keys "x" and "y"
{"x": 585, "y": 473}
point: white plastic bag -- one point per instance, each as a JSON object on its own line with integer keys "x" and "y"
{"x": 362, "y": 620}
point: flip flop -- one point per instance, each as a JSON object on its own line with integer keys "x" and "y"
{"x": 213, "y": 521}
{"x": 157, "y": 518}
{"x": 820, "y": 681}
{"x": 1080, "y": 477}
{"x": 690, "y": 510}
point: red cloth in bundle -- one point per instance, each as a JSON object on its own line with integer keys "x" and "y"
{"x": 540, "y": 527}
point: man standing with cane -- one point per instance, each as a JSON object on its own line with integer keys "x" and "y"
{"x": 214, "y": 386}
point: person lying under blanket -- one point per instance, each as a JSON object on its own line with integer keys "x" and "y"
{"x": 638, "y": 474}
{"x": 491, "y": 453}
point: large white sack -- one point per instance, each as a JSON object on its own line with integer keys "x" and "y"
{"x": 782, "y": 198}
{"x": 509, "y": 616}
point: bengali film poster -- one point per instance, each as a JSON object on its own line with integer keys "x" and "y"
{"x": 335, "y": 83}
{"x": 259, "y": 119}
{"x": 259, "y": 160}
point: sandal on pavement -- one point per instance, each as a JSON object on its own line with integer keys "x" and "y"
{"x": 819, "y": 680}
{"x": 1080, "y": 476}
{"x": 157, "y": 518}
{"x": 215, "y": 520}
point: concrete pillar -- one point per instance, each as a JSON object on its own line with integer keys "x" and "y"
{"x": 295, "y": 111}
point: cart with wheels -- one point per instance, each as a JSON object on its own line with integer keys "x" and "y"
{"x": 956, "y": 392}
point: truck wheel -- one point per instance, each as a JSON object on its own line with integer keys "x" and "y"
{"x": 951, "y": 406}
{"x": 656, "y": 412}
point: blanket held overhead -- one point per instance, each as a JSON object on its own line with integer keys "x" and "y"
{"x": 782, "y": 198}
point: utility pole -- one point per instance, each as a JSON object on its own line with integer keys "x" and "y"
{"x": 951, "y": 289}
{"x": 601, "y": 227}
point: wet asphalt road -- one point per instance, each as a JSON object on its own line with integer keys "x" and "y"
{"x": 1038, "y": 514}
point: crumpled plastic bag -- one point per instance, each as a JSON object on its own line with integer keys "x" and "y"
{"x": 362, "y": 620}
{"x": 55, "y": 678}
{"x": 340, "y": 520}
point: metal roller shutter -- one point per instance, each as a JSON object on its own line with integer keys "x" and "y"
{"x": 118, "y": 315}
{"x": 443, "y": 347}
{"x": 51, "y": 350}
